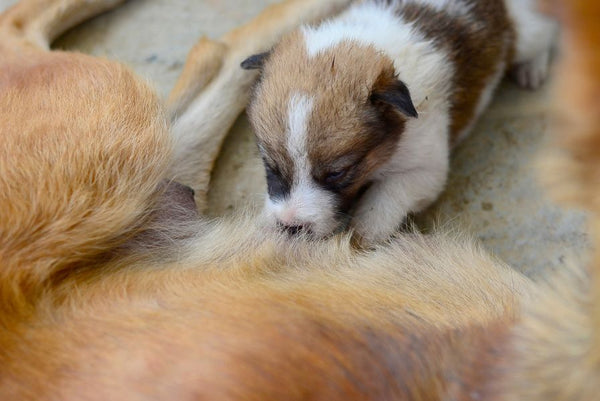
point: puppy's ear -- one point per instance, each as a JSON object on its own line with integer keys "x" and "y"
{"x": 255, "y": 62}
{"x": 389, "y": 90}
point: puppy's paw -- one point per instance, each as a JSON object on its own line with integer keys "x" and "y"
{"x": 533, "y": 73}
{"x": 372, "y": 228}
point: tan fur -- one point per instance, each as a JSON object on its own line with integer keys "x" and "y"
{"x": 202, "y": 65}
{"x": 236, "y": 312}
{"x": 70, "y": 125}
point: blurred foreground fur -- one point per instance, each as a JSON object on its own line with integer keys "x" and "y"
{"x": 111, "y": 288}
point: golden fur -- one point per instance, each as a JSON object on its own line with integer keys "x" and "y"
{"x": 91, "y": 308}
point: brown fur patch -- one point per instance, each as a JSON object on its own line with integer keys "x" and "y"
{"x": 477, "y": 44}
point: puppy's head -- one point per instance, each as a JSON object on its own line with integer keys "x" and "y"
{"x": 325, "y": 124}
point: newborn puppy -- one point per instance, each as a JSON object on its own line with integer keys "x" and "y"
{"x": 356, "y": 117}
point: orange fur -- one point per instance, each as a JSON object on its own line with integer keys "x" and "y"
{"x": 71, "y": 188}
{"x": 90, "y": 311}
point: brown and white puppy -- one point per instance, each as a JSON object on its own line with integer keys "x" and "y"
{"x": 361, "y": 111}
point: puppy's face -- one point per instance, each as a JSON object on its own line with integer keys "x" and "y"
{"x": 324, "y": 124}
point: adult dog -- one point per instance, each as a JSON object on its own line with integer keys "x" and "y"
{"x": 111, "y": 287}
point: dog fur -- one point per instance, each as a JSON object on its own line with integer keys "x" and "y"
{"x": 111, "y": 289}
{"x": 358, "y": 115}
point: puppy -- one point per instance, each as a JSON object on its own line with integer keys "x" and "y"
{"x": 361, "y": 111}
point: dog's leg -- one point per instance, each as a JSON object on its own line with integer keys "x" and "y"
{"x": 34, "y": 24}
{"x": 213, "y": 90}
{"x": 536, "y": 34}
{"x": 385, "y": 205}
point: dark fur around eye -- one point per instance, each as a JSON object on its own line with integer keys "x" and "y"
{"x": 277, "y": 186}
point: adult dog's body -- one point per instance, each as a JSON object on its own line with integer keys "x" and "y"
{"x": 111, "y": 287}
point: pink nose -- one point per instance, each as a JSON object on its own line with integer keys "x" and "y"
{"x": 288, "y": 217}
{"x": 288, "y": 221}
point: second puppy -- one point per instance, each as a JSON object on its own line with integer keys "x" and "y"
{"x": 357, "y": 115}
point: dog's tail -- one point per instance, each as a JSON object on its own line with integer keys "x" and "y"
{"x": 32, "y": 25}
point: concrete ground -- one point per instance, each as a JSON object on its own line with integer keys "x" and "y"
{"x": 492, "y": 191}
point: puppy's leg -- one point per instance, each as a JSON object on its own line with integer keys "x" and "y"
{"x": 410, "y": 181}
{"x": 203, "y": 63}
{"x": 32, "y": 24}
{"x": 385, "y": 205}
{"x": 205, "y": 112}
{"x": 536, "y": 35}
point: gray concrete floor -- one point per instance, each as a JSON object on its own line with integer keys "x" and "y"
{"x": 492, "y": 191}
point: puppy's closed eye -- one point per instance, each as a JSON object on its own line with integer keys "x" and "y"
{"x": 337, "y": 179}
{"x": 335, "y": 175}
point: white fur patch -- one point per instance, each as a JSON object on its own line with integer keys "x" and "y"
{"x": 366, "y": 23}
{"x": 299, "y": 109}
{"x": 307, "y": 204}
{"x": 536, "y": 33}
